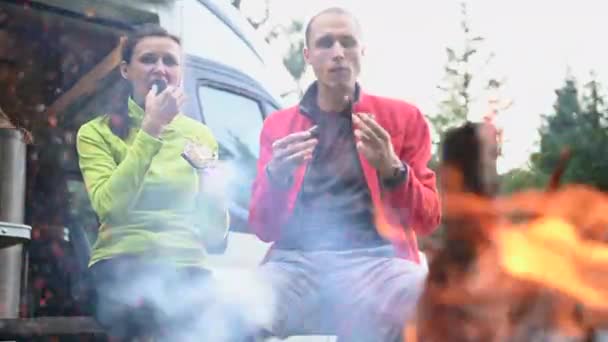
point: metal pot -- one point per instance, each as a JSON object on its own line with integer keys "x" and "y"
{"x": 13, "y": 233}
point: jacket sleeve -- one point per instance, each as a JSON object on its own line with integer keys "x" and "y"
{"x": 268, "y": 206}
{"x": 113, "y": 187}
{"x": 416, "y": 200}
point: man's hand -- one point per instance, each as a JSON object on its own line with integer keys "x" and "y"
{"x": 375, "y": 144}
{"x": 290, "y": 152}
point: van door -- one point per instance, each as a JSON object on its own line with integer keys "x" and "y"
{"x": 233, "y": 106}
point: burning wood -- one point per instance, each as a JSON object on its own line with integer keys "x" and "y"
{"x": 528, "y": 267}
{"x": 549, "y": 252}
{"x": 560, "y": 169}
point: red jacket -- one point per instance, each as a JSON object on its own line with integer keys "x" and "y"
{"x": 401, "y": 213}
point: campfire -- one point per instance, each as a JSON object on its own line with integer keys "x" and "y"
{"x": 532, "y": 266}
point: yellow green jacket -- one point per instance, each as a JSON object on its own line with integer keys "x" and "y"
{"x": 145, "y": 194}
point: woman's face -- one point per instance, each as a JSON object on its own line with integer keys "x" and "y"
{"x": 154, "y": 58}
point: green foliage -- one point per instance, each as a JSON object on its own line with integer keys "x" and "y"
{"x": 460, "y": 72}
{"x": 294, "y": 59}
{"x": 578, "y": 123}
{"x": 294, "y": 33}
{"x": 460, "y": 68}
{"x": 521, "y": 179}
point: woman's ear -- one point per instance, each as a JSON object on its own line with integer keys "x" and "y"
{"x": 124, "y": 70}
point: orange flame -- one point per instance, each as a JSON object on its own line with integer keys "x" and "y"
{"x": 561, "y": 249}
{"x": 550, "y": 253}
{"x": 548, "y": 247}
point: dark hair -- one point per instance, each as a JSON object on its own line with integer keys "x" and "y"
{"x": 331, "y": 10}
{"x": 119, "y": 118}
{"x": 462, "y": 148}
{"x": 141, "y": 32}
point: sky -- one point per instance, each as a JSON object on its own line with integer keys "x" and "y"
{"x": 535, "y": 43}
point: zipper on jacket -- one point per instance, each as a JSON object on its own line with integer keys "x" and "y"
{"x": 308, "y": 166}
{"x": 349, "y": 108}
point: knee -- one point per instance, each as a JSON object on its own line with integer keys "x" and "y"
{"x": 397, "y": 302}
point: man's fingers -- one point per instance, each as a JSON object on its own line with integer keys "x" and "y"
{"x": 295, "y": 148}
{"x": 362, "y": 135}
{"x": 370, "y": 142}
{"x": 288, "y": 163}
{"x": 290, "y": 139}
{"x": 378, "y": 130}
{"x": 363, "y": 129}
{"x": 365, "y": 149}
{"x": 300, "y": 157}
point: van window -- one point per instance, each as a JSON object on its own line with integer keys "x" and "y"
{"x": 234, "y": 119}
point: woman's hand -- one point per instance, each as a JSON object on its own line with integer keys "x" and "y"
{"x": 161, "y": 109}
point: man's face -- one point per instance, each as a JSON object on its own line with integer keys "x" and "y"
{"x": 335, "y": 50}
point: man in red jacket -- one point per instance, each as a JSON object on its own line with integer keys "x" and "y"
{"x": 342, "y": 190}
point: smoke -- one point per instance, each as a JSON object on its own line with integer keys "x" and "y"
{"x": 237, "y": 303}
{"x": 220, "y": 177}
{"x": 185, "y": 306}
{"x": 240, "y": 306}
{"x": 249, "y": 293}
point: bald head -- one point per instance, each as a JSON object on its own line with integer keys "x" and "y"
{"x": 334, "y": 50}
{"x": 331, "y": 10}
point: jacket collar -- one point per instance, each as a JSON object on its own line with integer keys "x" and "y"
{"x": 136, "y": 113}
{"x": 310, "y": 107}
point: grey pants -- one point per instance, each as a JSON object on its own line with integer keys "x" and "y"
{"x": 360, "y": 295}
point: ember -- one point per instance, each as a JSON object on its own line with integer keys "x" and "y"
{"x": 527, "y": 267}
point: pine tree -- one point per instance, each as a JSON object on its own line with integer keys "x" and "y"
{"x": 594, "y": 103}
{"x": 591, "y": 165}
{"x": 558, "y": 128}
{"x": 579, "y": 124}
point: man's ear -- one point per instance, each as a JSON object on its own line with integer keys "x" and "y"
{"x": 124, "y": 72}
{"x": 306, "y": 54}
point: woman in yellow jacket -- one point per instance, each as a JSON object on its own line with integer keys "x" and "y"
{"x": 156, "y": 209}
